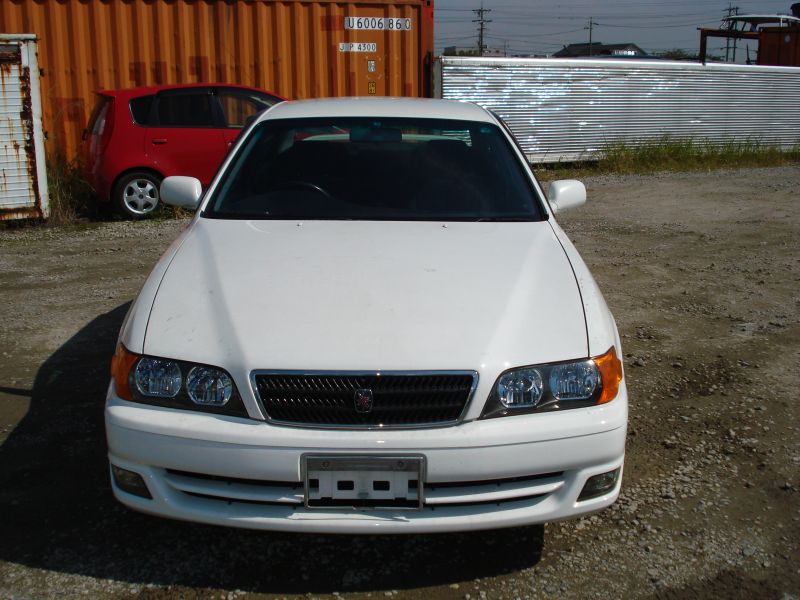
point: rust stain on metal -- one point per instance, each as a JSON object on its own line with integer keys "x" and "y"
{"x": 26, "y": 117}
{"x": 10, "y": 214}
{"x": 5, "y": 71}
{"x": 329, "y": 23}
{"x": 8, "y": 57}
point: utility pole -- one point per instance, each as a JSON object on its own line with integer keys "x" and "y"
{"x": 590, "y": 27}
{"x": 732, "y": 10}
{"x": 481, "y": 21}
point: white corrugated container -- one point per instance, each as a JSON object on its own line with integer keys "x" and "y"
{"x": 23, "y": 177}
{"x": 563, "y": 109}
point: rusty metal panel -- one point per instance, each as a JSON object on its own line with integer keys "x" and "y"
{"x": 779, "y": 46}
{"x": 23, "y": 180}
{"x": 294, "y": 48}
{"x": 570, "y": 109}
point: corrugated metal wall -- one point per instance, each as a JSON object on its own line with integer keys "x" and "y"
{"x": 569, "y": 109}
{"x": 293, "y": 48}
{"x": 23, "y": 179}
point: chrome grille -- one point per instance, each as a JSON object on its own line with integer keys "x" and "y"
{"x": 397, "y": 399}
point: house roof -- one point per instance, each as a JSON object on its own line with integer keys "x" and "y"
{"x": 599, "y": 49}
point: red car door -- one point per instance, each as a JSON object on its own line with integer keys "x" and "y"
{"x": 187, "y": 137}
{"x": 239, "y": 107}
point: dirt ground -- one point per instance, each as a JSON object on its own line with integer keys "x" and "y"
{"x": 702, "y": 272}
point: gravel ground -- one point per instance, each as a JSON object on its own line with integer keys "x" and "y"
{"x": 701, "y": 271}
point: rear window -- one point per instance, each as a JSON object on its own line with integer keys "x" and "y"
{"x": 376, "y": 169}
{"x": 140, "y": 109}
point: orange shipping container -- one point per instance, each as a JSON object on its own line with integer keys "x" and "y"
{"x": 293, "y": 48}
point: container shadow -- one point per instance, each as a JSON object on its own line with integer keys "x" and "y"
{"x": 59, "y": 514}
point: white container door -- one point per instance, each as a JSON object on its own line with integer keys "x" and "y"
{"x": 23, "y": 187}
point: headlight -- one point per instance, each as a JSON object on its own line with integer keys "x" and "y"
{"x": 574, "y": 381}
{"x": 174, "y": 384}
{"x": 520, "y": 389}
{"x": 157, "y": 378}
{"x": 556, "y": 386}
{"x": 209, "y": 387}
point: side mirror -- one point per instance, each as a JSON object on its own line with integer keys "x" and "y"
{"x": 565, "y": 194}
{"x": 184, "y": 192}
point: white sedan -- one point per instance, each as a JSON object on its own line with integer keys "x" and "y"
{"x": 372, "y": 324}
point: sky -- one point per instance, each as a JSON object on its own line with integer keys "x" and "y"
{"x": 539, "y": 26}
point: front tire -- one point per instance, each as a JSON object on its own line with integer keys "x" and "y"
{"x": 136, "y": 195}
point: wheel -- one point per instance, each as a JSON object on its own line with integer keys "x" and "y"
{"x": 136, "y": 194}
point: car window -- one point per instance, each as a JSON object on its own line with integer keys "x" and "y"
{"x": 515, "y": 141}
{"x": 186, "y": 109}
{"x": 376, "y": 169}
{"x": 239, "y": 107}
{"x": 140, "y": 109}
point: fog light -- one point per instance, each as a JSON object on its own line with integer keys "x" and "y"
{"x": 597, "y": 485}
{"x": 130, "y": 482}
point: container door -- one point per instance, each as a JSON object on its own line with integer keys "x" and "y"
{"x": 187, "y": 137}
{"x": 23, "y": 183}
{"x": 371, "y": 75}
{"x": 377, "y": 41}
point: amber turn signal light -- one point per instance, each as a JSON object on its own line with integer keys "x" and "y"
{"x": 121, "y": 365}
{"x": 610, "y": 367}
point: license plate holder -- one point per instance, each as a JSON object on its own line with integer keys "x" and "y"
{"x": 363, "y": 482}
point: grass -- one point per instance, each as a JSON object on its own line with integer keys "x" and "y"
{"x": 673, "y": 154}
{"x": 71, "y": 197}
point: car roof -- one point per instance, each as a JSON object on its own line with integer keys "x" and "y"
{"x": 154, "y": 89}
{"x": 425, "y": 108}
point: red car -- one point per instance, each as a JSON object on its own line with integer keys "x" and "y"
{"x": 136, "y": 137}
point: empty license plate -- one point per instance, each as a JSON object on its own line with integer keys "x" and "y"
{"x": 367, "y": 482}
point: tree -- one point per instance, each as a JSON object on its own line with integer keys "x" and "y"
{"x": 453, "y": 51}
{"x": 677, "y": 54}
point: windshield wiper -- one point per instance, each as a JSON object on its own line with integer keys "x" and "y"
{"x": 505, "y": 220}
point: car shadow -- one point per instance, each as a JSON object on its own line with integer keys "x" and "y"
{"x": 58, "y": 513}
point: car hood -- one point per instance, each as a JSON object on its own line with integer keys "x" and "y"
{"x": 356, "y": 295}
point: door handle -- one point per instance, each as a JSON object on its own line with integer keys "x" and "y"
{"x": 159, "y": 141}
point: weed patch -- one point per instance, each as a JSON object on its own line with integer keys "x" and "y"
{"x": 71, "y": 197}
{"x": 672, "y": 154}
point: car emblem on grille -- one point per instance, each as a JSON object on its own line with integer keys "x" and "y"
{"x": 363, "y": 400}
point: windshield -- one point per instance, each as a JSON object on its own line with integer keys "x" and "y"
{"x": 376, "y": 169}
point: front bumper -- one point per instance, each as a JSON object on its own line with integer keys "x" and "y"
{"x": 502, "y": 472}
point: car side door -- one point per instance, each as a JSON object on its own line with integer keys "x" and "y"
{"x": 239, "y": 106}
{"x": 186, "y": 134}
